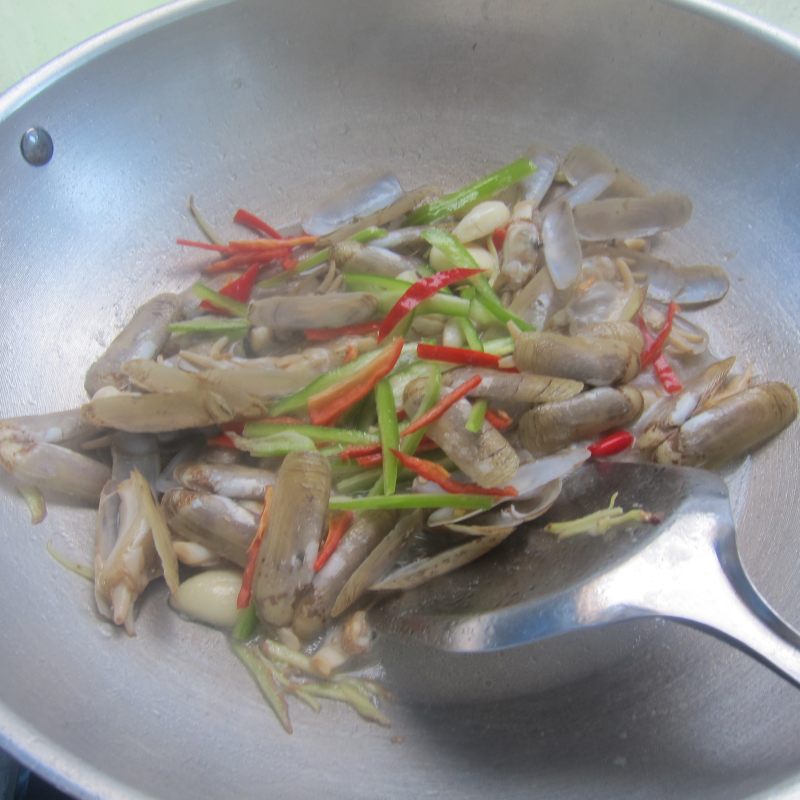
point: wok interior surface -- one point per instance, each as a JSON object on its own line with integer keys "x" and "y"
{"x": 267, "y": 107}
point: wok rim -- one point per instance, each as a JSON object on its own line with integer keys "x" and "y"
{"x": 34, "y": 748}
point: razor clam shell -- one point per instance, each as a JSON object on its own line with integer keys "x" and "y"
{"x": 535, "y": 186}
{"x": 354, "y": 257}
{"x": 664, "y": 281}
{"x": 508, "y": 516}
{"x": 378, "y": 562}
{"x": 425, "y": 569}
{"x": 531, "y": 477}
{"x": 218, "y": 523}
{"x": 144, "y": 336}
{"x": 236, "y": 481}
{"x": 628, "y": 218}
{"x": 297, "y": 519}
{"x": 582, "y": 162}
{"x": 562, "y": 248}
{"x": 310, "y": 311}
{"x": 702, "y": 284}
{"x": 515, "y": 388}
{"x": 314, "y": 607}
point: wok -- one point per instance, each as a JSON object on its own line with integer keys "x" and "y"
{"x": 266, "y": 106}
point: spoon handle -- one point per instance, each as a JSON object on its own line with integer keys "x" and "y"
{"x": 703, "y": 584}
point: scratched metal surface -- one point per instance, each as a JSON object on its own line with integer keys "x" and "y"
{"x": 265, "y": 107}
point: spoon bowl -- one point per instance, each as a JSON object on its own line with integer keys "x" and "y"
{"x": 537, "y": 611}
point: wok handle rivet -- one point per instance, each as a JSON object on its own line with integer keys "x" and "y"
{"x": 36, "y": 146}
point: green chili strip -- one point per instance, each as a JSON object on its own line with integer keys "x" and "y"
{"x": 459, "y": 256}
{"x": 364, "y": 480}
{"x": 404, "y": 501}
{"x": 367, "y": 414}
{"x": 476, "y": 416}
{"x": 221, "y": 326}
{"x": 431, "y": 397}
{"x": 440, "y": 303}
{"x": 279, "y": 444}
{"x": 472, "y": 193}
{"x": 502, "y": 346}
{"x": 360, "y": 282}
{"x": 299, "y": 399}
{"x": 470, "y": 334}
{"x": 317, "y": 433}
{"x": 219, "y": 300}
{"x": 246, "y": 623}
{"x": 390, "y": 433}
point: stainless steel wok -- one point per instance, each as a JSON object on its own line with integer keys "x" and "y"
{"x": 268, "y": 105}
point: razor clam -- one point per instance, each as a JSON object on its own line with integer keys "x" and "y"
{"x": 425, "y": 569}
{"x": 515, "y": 388}
{"x": 588, "y": 189}
{"x": 596, "y": 361}
{"x": 536, "y": 301}
{"x": 216, "y": 522}
{"x": 155, "y": 413}
{"x": 670, "y": 412}
{"x": 297, "y": 520}
{"x": 31, "y": 461}
{"x": 506, "y": 517}
{"x": 352, "y": 202}
{"x": 531, "y": 478}
{"x": 351, "y": 256}
{"x": 664, "y": 281}
{"x": 732, "y": 427}
{"x": 625, "y": 185}
{"x": 486, "y": 457}
{"x": 549, "y": 427}
{"x": 314, "y": 607}
{"x": 131, "y": 451}
{"x": 583, "y": 162}
{"x": 143, "y": 337}
{"x": 308, "y": 311}
{"x": 702, "y": 284}
{"x": 126, "y": 559}
{"x": 402, "y": 238}
{"x": 562, "y": 249}
{"x": 628, "y": 218}
{"x": 536, "y": 185}
{"x": 623, "y": 331}
{"x": 231, "y": 480}
{"x": 520, "y": 253}
{"x": 378, "y": 562}
{"x": 68, "y": 428}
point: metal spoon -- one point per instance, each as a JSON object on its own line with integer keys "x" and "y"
{"x": 534, "y": 589}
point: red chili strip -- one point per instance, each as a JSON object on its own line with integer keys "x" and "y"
{"x": 371, "y": 460}
{"x": 267, "y": 245}
{"x": 237, "y": 289}
{"x": 338, "y": 526}
{"x": 419, "y": 291}
{"x": 364, "y": 450}
{"x": 246, "y": 592}
{"x": 432, "y": 471}
{"x": 457, "y": 355}
{"x": 217, "y": 248}
{"x": 653, "y": 351}
{"x": 664, "y": 372}
{"x": 238, "y": 261}
{"x": 327, "y": 406}
{"x": 499, "y": 419}
{"x": 443, "y": 405}
{"x": 611, "y": 444}
{"x": 326, "y": 334}
{"x": 250, "y": 220}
